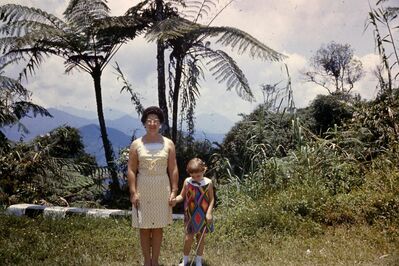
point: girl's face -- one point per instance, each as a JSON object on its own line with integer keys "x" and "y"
{"x": 197, "y": 176}
{"x": 152, "y": 123}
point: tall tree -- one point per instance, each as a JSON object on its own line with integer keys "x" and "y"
{"x": 163, "y": 9}
{"x": 87, "y": 40}
{"x": 190, "y": 44}
{"x": 335, "y": 68}
{"x": 160, "y": 15}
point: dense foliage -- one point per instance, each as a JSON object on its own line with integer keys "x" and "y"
{"x": 51, "y": 169}
{"x": 348, "y": 175}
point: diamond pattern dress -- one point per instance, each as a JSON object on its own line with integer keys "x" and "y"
{"x": 153, "y": 186}
{"x": 196, "y": 203}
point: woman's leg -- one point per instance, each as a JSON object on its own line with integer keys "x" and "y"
{"x": 156, "y": 242}
{"x": 145, "y": 241}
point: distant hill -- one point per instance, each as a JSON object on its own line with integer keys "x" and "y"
{"x": 41, "y": 125}
{"x": 91, "y": 137}
{"x": 213, "y": 123}
{"x": 128, "y": 125}
{"x": 109, "y": 113}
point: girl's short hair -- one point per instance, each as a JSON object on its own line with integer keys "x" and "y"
{"x": 154, "y": 110}
{"x": 196, "y": 165}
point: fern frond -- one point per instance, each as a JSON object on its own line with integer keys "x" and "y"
{"x": 381, "y": 1}
{"x": 10, "y": 43}
{"x": 393, "y": 12}
{"x": 171, "y": 28}
{"x": 197, "y": 9}
{"x": 134, "y": 97}
{"x": 243, "y": 41}
{"x": 137, "y": 8}
{"x": 32, "y": 56}
{"x": 24, "y": 27}
{"x": 82, "y": 13}
{"x": 12, "y": 86}
{"x": 192, "y": 73}
{"x": 11, "y": 13}
{"x": 225, "y": 69}
{"x": 22, "y": 108}
{"x": 119, "y": 29}
{"x": 15, "y": 104}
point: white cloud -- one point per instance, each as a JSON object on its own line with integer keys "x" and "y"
{"x": 366, "y": 87}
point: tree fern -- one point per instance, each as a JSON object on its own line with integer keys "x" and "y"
{"x": 173, "y": 28}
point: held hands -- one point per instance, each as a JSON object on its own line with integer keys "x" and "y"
{"x": 173, "y": 202}
{"x": 172, "y": 199}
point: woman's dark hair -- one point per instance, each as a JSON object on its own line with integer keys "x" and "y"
{"x": 154, "y": 110}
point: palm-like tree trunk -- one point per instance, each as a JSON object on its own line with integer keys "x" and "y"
{"x": 161, "y": 72}
{"x": 162, "y": 86}
{"x": 176, "y": 91}
{"x": 109, "y": 154}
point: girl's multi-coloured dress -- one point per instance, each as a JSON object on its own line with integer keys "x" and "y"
{"x": 196, "y": 205}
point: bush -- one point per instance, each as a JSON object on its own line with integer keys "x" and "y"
{"x": 329, "y": 111}
{"x": 30, "y": 172}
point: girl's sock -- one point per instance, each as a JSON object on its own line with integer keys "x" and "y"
{"x": 185, "y": 260}
{"x": 198, "y": 260}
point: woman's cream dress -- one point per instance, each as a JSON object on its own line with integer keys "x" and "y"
{"x": 153, "y": 186}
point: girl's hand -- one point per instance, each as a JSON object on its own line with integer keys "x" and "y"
{"x": 209, "y": 218}
{"x": 134, "y": 199}
{"x": 172, "y": 199}
{"x": 173, "y": 202}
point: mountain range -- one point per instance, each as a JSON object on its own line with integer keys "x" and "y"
{"x": 120, "y": 130}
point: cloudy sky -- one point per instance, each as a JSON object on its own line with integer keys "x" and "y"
{"x": 296, "y": 28}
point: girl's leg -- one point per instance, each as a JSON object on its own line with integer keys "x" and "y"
{"x": 156, "y": 241}
{"x": 200, "y": 243}
{"x": 188, "y": 241}
{"x": 145, "y": 241}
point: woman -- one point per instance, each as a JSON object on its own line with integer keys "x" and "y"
{"x": 152, "y": 178}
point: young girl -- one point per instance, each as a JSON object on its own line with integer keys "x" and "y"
{"x": 197, "y": 193}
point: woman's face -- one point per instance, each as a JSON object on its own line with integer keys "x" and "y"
{"x": 152, "y": 123}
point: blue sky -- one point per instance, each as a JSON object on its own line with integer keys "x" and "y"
{"x": 296, "y": 28}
